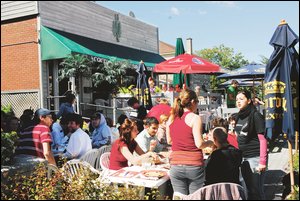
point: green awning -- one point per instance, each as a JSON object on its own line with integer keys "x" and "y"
{"x": 55, "y": 45}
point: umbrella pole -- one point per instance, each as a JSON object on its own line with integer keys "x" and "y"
{"x": 296, "y": 141}
{"x": 291, "y": 166}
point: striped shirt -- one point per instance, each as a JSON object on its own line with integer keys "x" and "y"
{"x": 31, "y": 139}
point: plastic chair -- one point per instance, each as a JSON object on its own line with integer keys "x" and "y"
{"x": 51, "y": 169}
{"x": 91, "y": 157}
{"x": 104, "y": 161}
{"x": 102, "y": 150}
{"x": 75, "y": 167}
{"x": 217, "y": 191}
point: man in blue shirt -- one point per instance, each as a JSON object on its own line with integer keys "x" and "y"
{"x": 102, "y": 133}
{"x": 67, "y": 107}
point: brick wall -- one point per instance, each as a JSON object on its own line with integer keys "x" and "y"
{"x": 19, "y": 55}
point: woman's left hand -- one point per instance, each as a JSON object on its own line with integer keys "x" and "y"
{"x": 261, "y": 168}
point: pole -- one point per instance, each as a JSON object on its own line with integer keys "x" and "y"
{"x": 114, "y": 111}
{"x": 296, "y": 142}
{"x": 291, "y": 166}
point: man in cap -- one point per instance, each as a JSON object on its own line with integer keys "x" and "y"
{"x": 35, "y": 140}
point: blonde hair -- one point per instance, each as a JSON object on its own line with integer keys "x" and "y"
{"x": 183, "y": 101}
{"x": 164, "y": 101}
{"x": 163, "y": 118}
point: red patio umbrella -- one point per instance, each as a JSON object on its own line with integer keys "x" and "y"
{"x": 188, "y": 64}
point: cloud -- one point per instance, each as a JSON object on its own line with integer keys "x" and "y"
{"x": 175, "y": 11}
{"x": 225, "y": 3}
{"x": 202, "y": 12}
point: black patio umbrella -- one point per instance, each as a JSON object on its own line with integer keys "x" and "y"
{"x": 142, "y": 87}
{"x": 282, "y": 84}
{"x": 282, "y": 88}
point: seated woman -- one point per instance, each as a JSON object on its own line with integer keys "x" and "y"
{"x": 223, "y": 164}
{"x": 122, "y": 149}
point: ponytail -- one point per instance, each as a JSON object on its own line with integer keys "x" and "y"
{"x": 183, "y": 101}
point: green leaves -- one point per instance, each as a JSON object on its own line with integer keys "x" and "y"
{"x": 8, "y": 146}
{"x": 75, "y": 65}
{"x": 114, "y": 73}
{"x": 223, "y": 56}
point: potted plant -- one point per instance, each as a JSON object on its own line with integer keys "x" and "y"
{"x": 126, "y": 91}
{"x": 157, "y": 91}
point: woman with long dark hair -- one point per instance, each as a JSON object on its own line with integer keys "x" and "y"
{"x": 250, "y": 128}
{"x": 122, "y": 149}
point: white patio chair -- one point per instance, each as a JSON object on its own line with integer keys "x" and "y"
{"x": 91, "y": 157}
{"x": 104, "y": 161}
{"x": 51, "y": 169}
{"x": 103, "y": 149}
{"x": 75, "y": 167}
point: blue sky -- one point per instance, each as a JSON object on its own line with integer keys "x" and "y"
{"x": 247, "y": 27}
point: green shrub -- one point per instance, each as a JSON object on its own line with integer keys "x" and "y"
{"x": 87, "y": 186}
{"x": 8, "y": 147}
{"x": 296, "y": 161}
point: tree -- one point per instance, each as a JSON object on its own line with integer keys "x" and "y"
{"x": 114, "y": 73}
{"x": 264, "y": 60}
{"x": 223, "y": 56}
{"x": 75, "y": 65}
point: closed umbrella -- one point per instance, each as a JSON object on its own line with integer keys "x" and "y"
{"x": 142, "y": 87}
{"x": 282, "y": 87}
{"x": 180, "y": 78}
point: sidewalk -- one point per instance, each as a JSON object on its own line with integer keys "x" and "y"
{"x": 277, "y": 168}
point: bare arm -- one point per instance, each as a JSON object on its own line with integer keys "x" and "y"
{"x": 48, "y": 153}
{"x": 135, "y": 160}
{"x": 168, "y": 135}
{"x": 230, "y": 95}
{"x": 139, "y": 150}
{"x": 197, "y": 133}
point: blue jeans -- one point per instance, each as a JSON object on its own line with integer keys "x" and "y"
{"x": 254, "y": 180}
{"x": 186, "y": 179}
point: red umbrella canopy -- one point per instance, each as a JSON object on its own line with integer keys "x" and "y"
{"x": 158, "y": 110}
{"x": 188, "y": 64}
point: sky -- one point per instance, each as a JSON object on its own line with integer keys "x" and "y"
{"x": 247, "y": 27}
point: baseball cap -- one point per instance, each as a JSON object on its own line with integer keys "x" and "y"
{"x": 42, "y": 112}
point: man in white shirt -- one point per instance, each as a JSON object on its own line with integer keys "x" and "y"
{"x": 147, "y": 139}
{"x": 80, "y": 142}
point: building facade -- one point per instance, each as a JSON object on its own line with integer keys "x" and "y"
{"x": 37, "y": 35}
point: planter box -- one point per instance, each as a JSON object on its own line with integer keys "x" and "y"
{"x": 124, "y": 95}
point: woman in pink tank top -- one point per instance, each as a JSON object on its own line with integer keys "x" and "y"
{"x": 184, "y": 134}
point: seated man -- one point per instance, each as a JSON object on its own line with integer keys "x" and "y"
{"x": 147, "y": 139}
{"x": 35, "y": 140}
{"x": 102, "y": 133}
{"x": 79, "y": 142}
